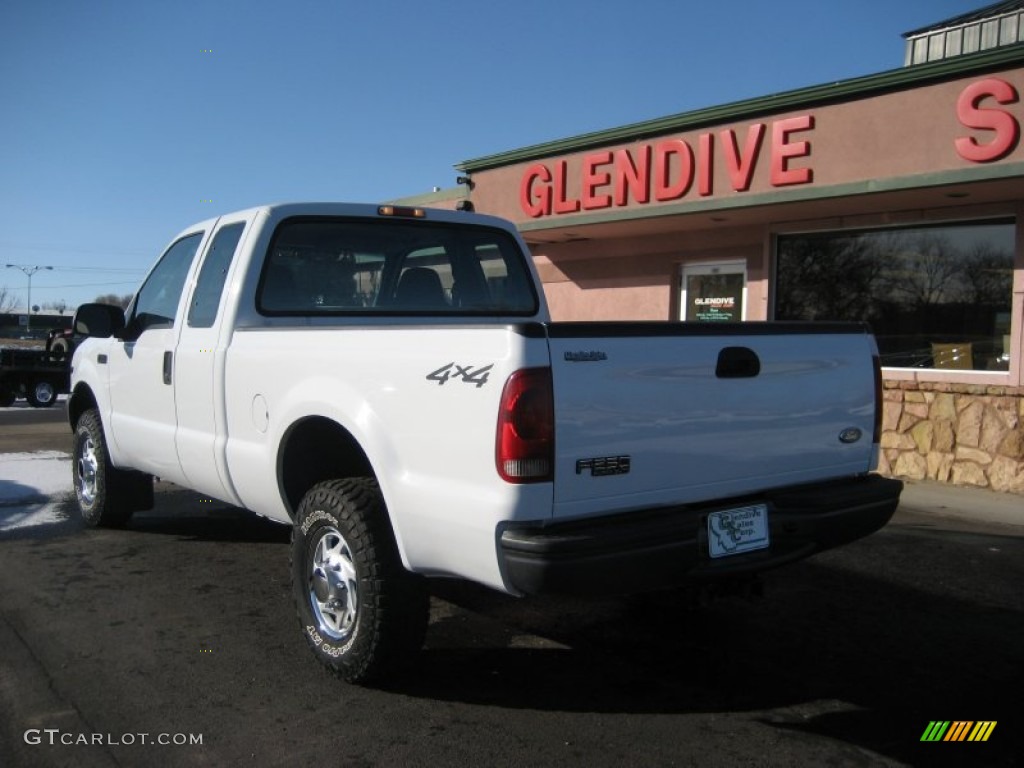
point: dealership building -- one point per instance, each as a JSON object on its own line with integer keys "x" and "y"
{"x": 896, "y": 199}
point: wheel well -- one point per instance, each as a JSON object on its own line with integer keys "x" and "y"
{"x": 81, "y": 400}
{"x": 314, "y": 450}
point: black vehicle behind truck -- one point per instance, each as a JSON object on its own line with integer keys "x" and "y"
{"x": 37, "y": 375}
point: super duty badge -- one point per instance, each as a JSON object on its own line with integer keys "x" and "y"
{"x": 604, "y": 466}
{"x": 586, "y": 356}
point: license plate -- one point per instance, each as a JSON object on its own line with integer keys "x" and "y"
{"x": 735, "y": 531}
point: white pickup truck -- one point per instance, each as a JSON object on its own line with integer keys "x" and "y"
{"x": 387, "y": 381}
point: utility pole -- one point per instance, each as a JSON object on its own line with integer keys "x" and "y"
{"x": 29, "y": 271}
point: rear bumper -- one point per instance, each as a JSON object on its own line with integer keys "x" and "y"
{"x": 654, "y": 549}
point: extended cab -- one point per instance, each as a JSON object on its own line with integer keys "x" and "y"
{"x": 387, "y": 381}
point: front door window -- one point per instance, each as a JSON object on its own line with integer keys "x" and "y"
{"x": 714, "y": 292}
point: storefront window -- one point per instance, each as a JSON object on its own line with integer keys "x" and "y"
{"x": 936, "y": 297}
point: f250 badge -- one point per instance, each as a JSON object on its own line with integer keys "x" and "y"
{"x": 467, "y": 373}
{"x": 604, "y": 466}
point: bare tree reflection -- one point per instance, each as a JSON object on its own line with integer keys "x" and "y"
{"x": 929, "y": 272}
{"x": 828, "y": 279}
{"x": 987, "y": 276}
{"x": 915, "y": 287}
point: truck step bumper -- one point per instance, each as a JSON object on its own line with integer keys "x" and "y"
{"x": 655, "y": 549}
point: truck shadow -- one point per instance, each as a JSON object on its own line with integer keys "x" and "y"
{"x": 13, "y": 493}
{"x": 191, "y": 516}
{"x": 184, "y": 514}
{"x": 864, "y": 645}
{"x": 831, "y": 652}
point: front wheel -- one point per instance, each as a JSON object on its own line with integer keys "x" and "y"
{"x": 106, "y": 496}
{"x": 362, "y": 613}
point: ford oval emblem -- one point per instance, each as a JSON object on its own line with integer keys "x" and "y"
{"x": 850, "y": 435}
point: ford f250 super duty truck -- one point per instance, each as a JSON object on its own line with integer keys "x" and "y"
{"x": 387, "y": 381}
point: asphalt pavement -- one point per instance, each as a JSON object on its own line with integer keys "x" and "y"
{"x": 181, "y": 627}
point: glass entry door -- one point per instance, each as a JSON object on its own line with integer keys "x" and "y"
{"x": 714, "y": 292}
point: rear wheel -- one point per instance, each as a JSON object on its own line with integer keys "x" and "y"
{"x": 107, "y": 496}
{"x": 7, "y": 397}
{"x": 363, "y": 615}
{"x": 41, "y": 394}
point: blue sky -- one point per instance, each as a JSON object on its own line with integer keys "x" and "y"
{"x": 122, "y": 122}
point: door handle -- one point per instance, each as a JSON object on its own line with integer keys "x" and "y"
{"x": 737, "y": 363}
{"x": 168, "y": 366}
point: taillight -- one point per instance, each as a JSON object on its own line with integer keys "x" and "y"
{"x": 525, "y": 443}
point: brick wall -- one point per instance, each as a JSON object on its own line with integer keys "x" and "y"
{"x": 954, "y": 433}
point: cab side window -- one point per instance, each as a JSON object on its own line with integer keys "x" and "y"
{"x": 210, "y": 285}
{"x": 157, "y": 301}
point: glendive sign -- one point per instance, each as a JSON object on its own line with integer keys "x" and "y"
{"x": 668, "y": 169}
{"x": 674, "y": 168}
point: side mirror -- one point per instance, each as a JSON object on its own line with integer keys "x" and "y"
{"x": 99, "y": 320}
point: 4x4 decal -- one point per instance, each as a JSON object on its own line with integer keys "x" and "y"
{"x": 467, "y": 373}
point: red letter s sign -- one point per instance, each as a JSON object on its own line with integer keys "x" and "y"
{"x": 1005, "y": 126}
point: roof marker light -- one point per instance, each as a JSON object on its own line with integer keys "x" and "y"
{"x": 402, "y": 210}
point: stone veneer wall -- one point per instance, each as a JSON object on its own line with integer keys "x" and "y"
{"x": 963, "y": 434}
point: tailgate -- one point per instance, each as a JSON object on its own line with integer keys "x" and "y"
{"x": 651, "y": 414}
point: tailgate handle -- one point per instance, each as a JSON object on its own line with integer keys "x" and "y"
{"x": 737, "y": 363}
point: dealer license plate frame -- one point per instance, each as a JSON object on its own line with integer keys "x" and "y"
{"x": 738, "y": 530}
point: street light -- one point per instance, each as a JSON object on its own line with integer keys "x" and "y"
{"x": 29, "y": 271}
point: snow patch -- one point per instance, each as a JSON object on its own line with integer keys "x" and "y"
{"x": 32, "y": 485}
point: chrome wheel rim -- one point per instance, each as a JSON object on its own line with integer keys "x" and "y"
{"x": 45, "y": 392}
{"x": 333, "y": 585}
{"x": 85, "y": 470}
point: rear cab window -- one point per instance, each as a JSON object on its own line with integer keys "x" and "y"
{"x": 336, "y": 266}
{"x": 202, "y": 311}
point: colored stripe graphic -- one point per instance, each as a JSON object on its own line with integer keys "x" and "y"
{"x": 959, "y": 730}
{"x": 982, "y": 730}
